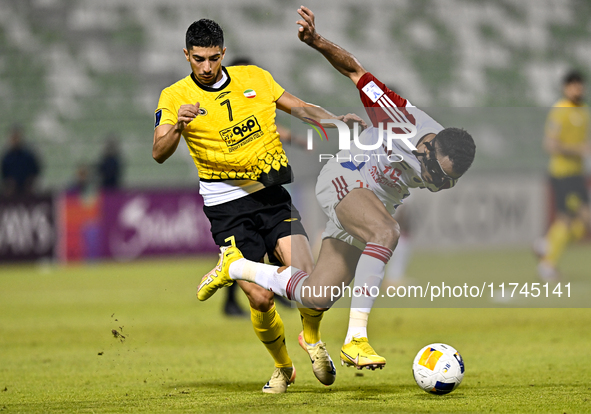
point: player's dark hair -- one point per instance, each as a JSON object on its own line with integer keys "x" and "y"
{"x": 204, "y": 33}
{"x": 574, "y": 76}
{"x": 459, "y": 146}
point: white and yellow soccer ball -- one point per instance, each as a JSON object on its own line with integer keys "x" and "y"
{"x": 438, "y": 368}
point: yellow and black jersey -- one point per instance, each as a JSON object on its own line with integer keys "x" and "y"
{"x": 235, "y": 136}
{"x": 572, "y": 122}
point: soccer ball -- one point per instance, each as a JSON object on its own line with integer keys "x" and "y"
{"x": 438, "y": 369}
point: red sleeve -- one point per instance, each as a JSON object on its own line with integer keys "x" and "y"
{"x": 374, "y": 94}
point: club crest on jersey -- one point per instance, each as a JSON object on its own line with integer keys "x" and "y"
{"x": 202, "y": 111}
{"x": 250, "y": 93}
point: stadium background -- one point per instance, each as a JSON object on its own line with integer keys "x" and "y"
{"x": 74, "y": 71}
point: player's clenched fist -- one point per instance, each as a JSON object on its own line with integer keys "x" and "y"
{"x": 306, "y": 33}
{"x": 187, "y": 113}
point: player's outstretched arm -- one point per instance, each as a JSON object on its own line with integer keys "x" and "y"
{"x": 295, "y": 106}
{"x": 167, "y": 137}
{"x": 338, "y": 57}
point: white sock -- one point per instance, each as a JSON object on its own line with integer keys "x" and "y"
{"x": 396, "y": 268}
{"x": 266, "y": 276}
{"x": 244, "y": 269}
{"x": 369, "y": 274}
{"x": 357, "y": 325}
{"x": 295, "y": 283}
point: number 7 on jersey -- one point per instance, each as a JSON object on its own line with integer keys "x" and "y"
{"x": 227, "y": 103}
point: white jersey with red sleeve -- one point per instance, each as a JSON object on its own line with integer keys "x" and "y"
{"x": 390, "y": 173}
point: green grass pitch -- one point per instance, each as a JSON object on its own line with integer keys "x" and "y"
{"x": 58, "y": 352}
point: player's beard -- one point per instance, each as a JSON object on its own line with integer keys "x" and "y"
{"x": 208, "y": 81}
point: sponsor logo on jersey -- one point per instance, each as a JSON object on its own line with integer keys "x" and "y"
{"x": 373, "y": 91}
{"x": 221, "y": 95}
{"x": 250, "y": 93}
{"x": 241, "y": 133}
{"x": 202, "y": 111}
{"x": 158, "y": 117}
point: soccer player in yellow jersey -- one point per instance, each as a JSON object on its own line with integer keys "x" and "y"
{"x": 360, "y": 196}
{"x": 567, "y": 142}
{"x": 227, "y": 118}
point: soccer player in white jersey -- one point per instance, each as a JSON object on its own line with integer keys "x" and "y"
{"x": 359, "y": 190}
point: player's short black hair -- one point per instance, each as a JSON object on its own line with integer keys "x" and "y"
{"x": 459, "y": 146}
{"x": 204, "y": 33}
{"x": 574, "y": 76}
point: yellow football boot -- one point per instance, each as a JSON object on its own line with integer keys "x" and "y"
{"x": 219, "y": 276}
{"x": 359, "y": 354}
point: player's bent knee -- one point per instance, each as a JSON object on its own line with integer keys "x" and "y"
{"x": 261, "y": 300}
{"x": 322, "y": 303}
{"x": 392, "y": 234}
{"x": 386, "y": 234}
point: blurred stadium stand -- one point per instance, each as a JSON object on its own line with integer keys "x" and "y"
{"x": 72, "y": 72}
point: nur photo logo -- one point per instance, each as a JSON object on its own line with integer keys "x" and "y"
{"x": 317, "y": 126}
{"x": 387, "y": 132}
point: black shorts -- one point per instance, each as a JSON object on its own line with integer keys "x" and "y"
{"x": 256, "y": 221}
{"x": 569, "y": 193}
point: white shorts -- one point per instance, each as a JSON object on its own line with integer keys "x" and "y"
{"x": 335, "y": 181}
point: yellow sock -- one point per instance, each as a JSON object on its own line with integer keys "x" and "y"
{"x": 269, "y": 328}
{"x": 558, "y": 237}
{"x": 577, "y": 230}
{"x": 311, "y": 322}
